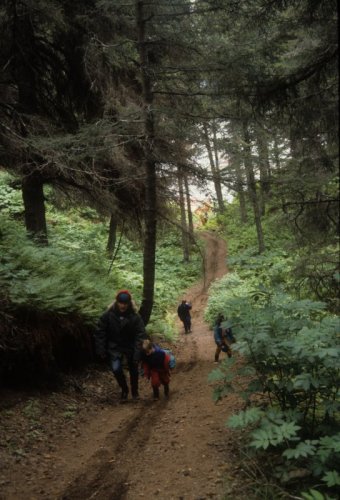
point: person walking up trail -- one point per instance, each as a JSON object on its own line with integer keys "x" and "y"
{"x": 184, "y": 315}
{"x": 156, "y": 366}
{"x": 221, "y": 337}
{"x": 119, "y": 336}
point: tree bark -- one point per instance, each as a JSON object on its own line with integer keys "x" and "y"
{"x": 34, "y": 204}
{"x": 236, "y": 164}
{"x": 218, "y": 186}
{"x": 252, "y": 186}
{"x": 25, "y": 76}
{"x": 240, "y": 189}
{"x": 216, "y": 180}
{"x": 149, "y": 164}
{"x": 188, "y": 199}
{"x": 184, "y": 226}
{"x": 276, "y": 153}
{"x": 264, "y": 167}
{"x": 111, "y": 242}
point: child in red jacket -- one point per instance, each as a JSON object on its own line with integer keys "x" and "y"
{"x": 155, "y": 363}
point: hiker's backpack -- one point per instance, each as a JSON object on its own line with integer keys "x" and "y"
{"x": 172, "y": 362}
{"x": 229, "y": 335}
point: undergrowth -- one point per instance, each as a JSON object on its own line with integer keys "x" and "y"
{"x": 74, "y": 277}
{"x": 290, "y": 381}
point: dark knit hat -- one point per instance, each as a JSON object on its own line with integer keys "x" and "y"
{"x": 123, "y": 296}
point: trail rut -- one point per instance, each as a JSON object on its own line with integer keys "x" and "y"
{"x": 170, "y": 449}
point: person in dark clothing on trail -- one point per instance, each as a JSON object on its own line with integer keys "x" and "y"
{"x": 155, "y": 364}
{"x": 221, "y": 337}
{"x": 119, "y": 336}
{"x": 184, "y": 315}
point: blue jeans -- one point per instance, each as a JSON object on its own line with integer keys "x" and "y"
{"x": 187, "y": 324}
{"x": 118, "y": 372}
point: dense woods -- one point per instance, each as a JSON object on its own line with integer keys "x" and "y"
{"x": 106, "y": 111}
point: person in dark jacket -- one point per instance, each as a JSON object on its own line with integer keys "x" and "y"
{"x": 222, "y": 338}
{"x": 184, "y": 315}
{"x": 156, "y": 367}
{"x": 119, "y": 335}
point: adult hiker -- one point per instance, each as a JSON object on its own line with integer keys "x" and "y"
{"x": 184, "y": 315}
{"x": 221, "y": 337}
{"x": 119, "y": 336}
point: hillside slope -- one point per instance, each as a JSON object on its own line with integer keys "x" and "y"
{"x": 84, "y": 445}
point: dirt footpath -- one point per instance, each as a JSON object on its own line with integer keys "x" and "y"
{"x": 84, "y": 445}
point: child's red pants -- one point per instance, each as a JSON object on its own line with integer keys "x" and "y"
{"x": 159, "y": 377}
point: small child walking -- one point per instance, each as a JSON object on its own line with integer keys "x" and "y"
{"x": 155, "y": 363}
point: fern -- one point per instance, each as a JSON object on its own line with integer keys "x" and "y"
{"x": 245, "y": 418}
{"x": 332, "y": 478}
{"x": 313, "y": 494}
{"x": 303, "y": 449}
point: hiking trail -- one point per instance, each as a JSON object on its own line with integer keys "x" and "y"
{"x": 83, "y": 444}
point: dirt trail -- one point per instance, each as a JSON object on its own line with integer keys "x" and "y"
{"x": 170, "y": 449}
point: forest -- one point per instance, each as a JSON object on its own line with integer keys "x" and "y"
{"x": 127, "y": 128}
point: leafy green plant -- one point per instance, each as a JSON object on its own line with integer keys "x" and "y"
{"x": 32, "y": 409}
{"x": 313, "y": 494}
{"x": 74, "y": 274}
{"x": 70, "y": 411}
{"x": 292, "y": 358}
{"x": 11, "y": 202}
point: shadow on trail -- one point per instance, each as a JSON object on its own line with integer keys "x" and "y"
{"x": 107, "y": 472}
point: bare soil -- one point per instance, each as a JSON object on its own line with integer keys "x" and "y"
{"x": 82, "y": 444}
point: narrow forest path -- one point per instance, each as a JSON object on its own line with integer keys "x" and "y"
{"x": 171, "y": 449}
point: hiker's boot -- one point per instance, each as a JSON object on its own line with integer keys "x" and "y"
{"x": 229, "y": 353}
{"x": 135, "y": 396}
{"x": 155, "y": 393}
{"x": 134, "y": 384}
{"x": 124, "y": 395}
{"x": 166, "y": 390}
{"x": 120, "y": 377}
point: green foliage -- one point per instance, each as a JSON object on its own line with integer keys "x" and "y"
{"x": 245, "y": 418}
{"x": 10, "y": 199}
{"x": 70, "y": 411}
{"x": 71, "y": 274}
{"x": 32, "y": 409}
{"x": 292, "y": 356}
{"x": 273, "y": 434}
{"x": 332, "y": 478}
{"x": 313, "y": 494}
{"x": 50, "y": 279}
{"x": 306, "y": 271}
{"x": 303, "y": 449}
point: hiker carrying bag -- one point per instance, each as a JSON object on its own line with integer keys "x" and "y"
{"x": 172, "y": 362}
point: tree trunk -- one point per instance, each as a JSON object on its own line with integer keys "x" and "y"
{"x": 218, "y": 186}
{"x": 242, "y": 202}
{"x": 276, "y": 153}
{"x": 149, "y": 164}
{"x": 240, "y": 189}
{"x": 264, "y": 167}
{"x": 111, "y": 242}
{"x": 185, "y": 239}
{"x": 34, "y": 204}
{"x": 25, "y": 75}
{"x": 189, "y": 210}
{"x": 239, "y": 174}
{"x": 252, "y": 187}
{"x": 216, "y": 180}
